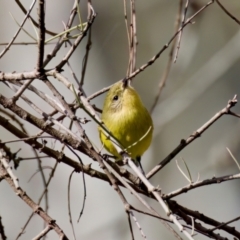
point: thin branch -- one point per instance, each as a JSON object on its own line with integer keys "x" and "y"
{"x": 155, "y": 191}
{"x": 21, "y": 90}
{"x": 43, "y": 233}
{"x": 18, "y": 76}
{"x": 2, "y": 232}
{"x": 84, "y": 184}
{"x": 180, "y": 34}
{"x": 77, "y": 42}
{"x": 48, "y": 99}
{"x": 130, "y": 226}
{"x": 85, "y": 59}
{"x": 176, "y": 208}
{"x": 128, "y": 36}
{"x": 224, "y": 224}
{"x": 44, "y": 193}
{"x": 133, "y": 38}
{"x": 165, "y": 75}
{"x": 5, "y": 163}
{"x": 30, "y": 35}
{"x": 153, "y": 59}
{"x": 182, "y": 172}
{"x": 18, "y": 31}
{"x": 35, "y": 207}
{"x": 33, "y": 21}
{"x": 227, "y": 12}
{"x": 61, "y": 40}
{"x": 137, "y": 224}
{"x": 69, "y": 204}
{"x": 41, "y": 40}
{"x": 96, "y": 94}
{"x": 193, "y": 136}
{"x": 234, "y": 159}
{"x": 197, "y": 184}
{"x": 207, "y": 220}
{"x": 24, "y": 43}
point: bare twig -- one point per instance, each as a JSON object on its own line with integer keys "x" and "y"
{"x": 137, "y": 223}
{"x": 69, "y": 204}
{"x": 85, "y": 59}
{"x": 43, "y": 233}
{"x": 193, "y": 136}
{"x": 5, "y": 163}
{"x": 133, "y": 38}
{"x": 94, "y": 95}
{"x": 153, "y": 59}
{"x": 44, "y": 193}
{"x": 35, "y": 207}
{"x": 234, "y": 159}
{"x": 186, "y": 214}
{"x": 188, "y": 219}
{"x": 2, "y": 232}
{"x": 180, "y": 33}
{"x": 33, "y": 21}
{"x": 165, "y": 75}
{"x": 18, "y": 76}
{"x": 41, "y": 40}
{"x": 153, "y": 190}
{"x": 128, "y": 36}
{"x": 84, "y": 185}
{"x": 21, "y": 90}
{"x": 77, "y": 42}
{"x": 61, "y": 40}
{"x": 182, "y": 172}
{"x": 224, "y": 224}
{"x": 130, "y": 226}
{"x": 24, "y": 43}
{"x": 214, "y": 180}
{"x": 227, "y": 12}
{"x": 19, "y": 29}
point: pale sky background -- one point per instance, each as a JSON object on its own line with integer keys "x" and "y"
{"x": 200, "y": 84}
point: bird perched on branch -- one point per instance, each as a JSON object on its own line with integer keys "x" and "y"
{"x": 126, "y": 118}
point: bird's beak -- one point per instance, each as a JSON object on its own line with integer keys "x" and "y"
{"x": 125, "y": 83}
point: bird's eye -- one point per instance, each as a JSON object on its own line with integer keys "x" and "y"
{"x": 115, "y": 98}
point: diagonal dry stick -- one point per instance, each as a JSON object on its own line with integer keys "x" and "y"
{"x": 18, "y": 31}
{"x": 193, "y": 136}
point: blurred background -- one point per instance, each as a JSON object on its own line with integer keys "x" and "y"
{"x": 200, "y": 83}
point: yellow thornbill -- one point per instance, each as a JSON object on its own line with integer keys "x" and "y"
{"x": 127, "y": 119}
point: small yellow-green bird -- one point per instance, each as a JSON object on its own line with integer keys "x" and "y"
{"x": 128, "y": 120}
